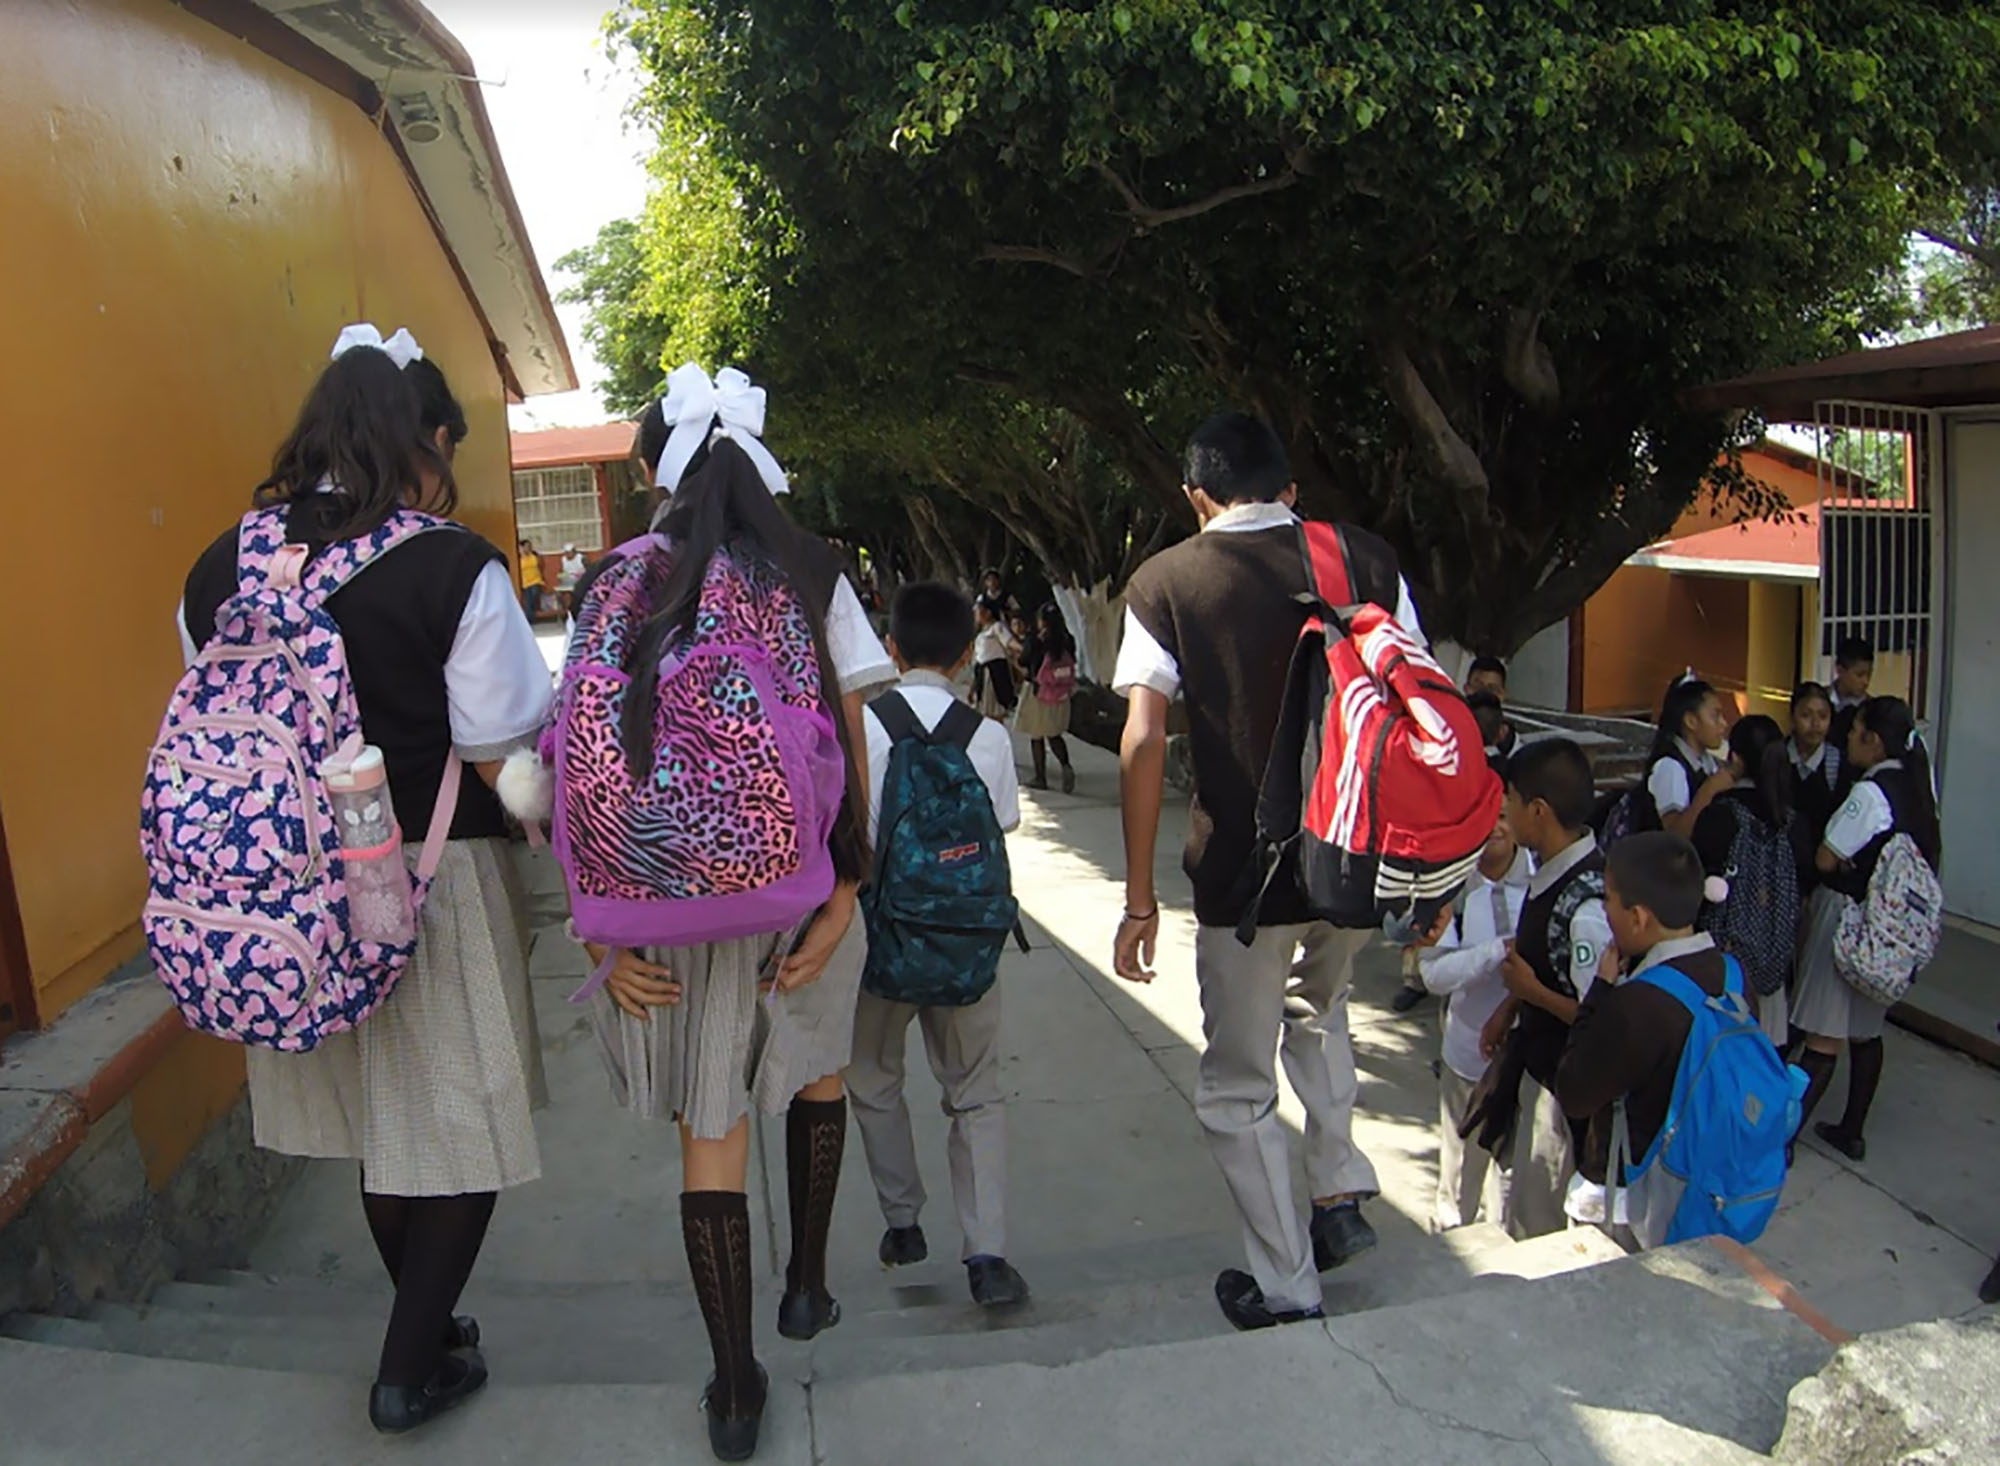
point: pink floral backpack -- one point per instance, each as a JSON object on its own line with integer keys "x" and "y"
{"x": 725, "y": 835}
{"x": 247, "y": 919}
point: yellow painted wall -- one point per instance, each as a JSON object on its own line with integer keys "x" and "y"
{"x": 1772, "y": 659}
{"x": 187, "y": 225}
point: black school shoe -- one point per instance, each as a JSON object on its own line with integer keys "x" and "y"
{"x": 1340, "y": 1234}
{"x": 1244, "y": 1306}
{"x": 807, "y": 1315}
{"x": 463, "y": 1333}
{"x": 903, "y": 1246}
{"x": 1851, "y": 1146}
{"x": 995, "y": 1283}
{"x": 735, "y": 1440}
{"x": 1989, "y": 1291}
{"x": 394, "y": 1409}
{"x": 1407, "y": 999}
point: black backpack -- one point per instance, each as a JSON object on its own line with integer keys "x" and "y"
{"x": 1758, "y": 923}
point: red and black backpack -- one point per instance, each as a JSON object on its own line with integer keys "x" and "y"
{"x": 1377, "y": 795}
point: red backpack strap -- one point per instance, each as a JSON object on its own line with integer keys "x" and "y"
{"x": 1326, "y": 560}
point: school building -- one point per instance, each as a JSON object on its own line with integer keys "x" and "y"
{"x": 578, "y": 486}
{"x": 200, "y": 193}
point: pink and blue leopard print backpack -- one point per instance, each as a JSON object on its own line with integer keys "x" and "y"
{"x": 247, "y": 919}
{"x": 726, "y": 836}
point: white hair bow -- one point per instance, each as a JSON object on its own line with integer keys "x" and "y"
{"x": 731, "y": 406}
{"x": 400, "y": 348}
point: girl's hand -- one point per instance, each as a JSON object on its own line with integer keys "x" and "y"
{"x": 1719, "y": 782}
{"x": 636, "y": 985}
{"x": 815, "y": 948}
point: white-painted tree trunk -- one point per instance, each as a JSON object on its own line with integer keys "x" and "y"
{"x": 1095, "y": 618}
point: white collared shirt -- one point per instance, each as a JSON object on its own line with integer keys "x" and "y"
{"x": 1589, "y": 928}
{"x": 1667, "y": 951}
{"x": 930, "y": 695}
{"x": 1667, "y": 781}
{"x": 1865, "y": 814}
{"x": 1143, "y": 662}
{"x": 1465, "y": 964}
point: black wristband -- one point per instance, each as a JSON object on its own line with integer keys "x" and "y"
{"x": 1147, "y": 917}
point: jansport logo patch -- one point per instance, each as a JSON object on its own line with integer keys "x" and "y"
{"x": 959, "y": 854}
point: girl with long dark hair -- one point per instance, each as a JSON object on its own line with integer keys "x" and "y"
{"x": 1752, "y": 815}
{"x": 1683, "y": 758}
{"x": 433, "y": 1093}
{"x": 700, "y": 1035}
{"x": 1049, "y": 657}
{"x": 1892, "y": 796}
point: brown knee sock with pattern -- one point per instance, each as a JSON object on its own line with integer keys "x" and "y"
{"x": 815, "y": 1141}
{"x": 715, "y": 1225}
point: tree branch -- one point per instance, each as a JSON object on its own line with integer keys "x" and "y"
{"x": 1451, "y": 457}
{"x": 1149, "y": 216}
{"x": 1526, "y": 365}
{"x": 1028, "y": 254}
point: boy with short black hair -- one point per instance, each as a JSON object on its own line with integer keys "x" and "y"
{"x": 1487, "y": 674}
{"x": 1627, "y": 1039}
{"x": 1853, "y": 675}
{"x": 930, "y": 637}
{"x": 1217, "y": 617}
{"x": 1562, "y": 937}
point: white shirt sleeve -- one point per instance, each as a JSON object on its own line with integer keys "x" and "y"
{"x": 1143, "y": 662}
{"x": 878, "y": 769}
{"x": 1406, "y": 611}
{"x": 1668, "y": 784}
{"x": 1445, "y": 972}
{"x": 1003, "y": 782}
{"x": 189, "y": 651}
{"x": 859, "y": 659}
{"x": 1589, "y": 935}
{"x": 1865, "y": 815}
{"x": 499, "y": 686}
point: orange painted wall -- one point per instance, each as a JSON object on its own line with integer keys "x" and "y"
{"x": 1799, "y": 486}
{"x": 1646, "y": 627}
{"x": 188, "y": 224}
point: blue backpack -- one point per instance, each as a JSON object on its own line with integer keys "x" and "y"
{"x": 1718, "y": 1164}
{"x": 941, "y": 904}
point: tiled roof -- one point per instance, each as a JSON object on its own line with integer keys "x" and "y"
{"x": 609, "y": 442}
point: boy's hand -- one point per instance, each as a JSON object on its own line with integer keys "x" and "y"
{"x": 1522, "y": 984}
{"x": 1611, "y": 964}
{"x": 1133, "y": 950}
{"x": 808, "y": 960}
{"x": 1494, "y": 1034}
{"x": 1438, "y": 928}
{"x": 636, "y": 985}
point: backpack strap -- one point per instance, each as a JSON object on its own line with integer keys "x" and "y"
{"x": 1325, "y": 552}
{"x": 1691, "y": 995}
{"x": 958, "y": 727}
{"x": 265, "y": 557}
{"x": 337, "y": 564}
{"x": 897, "y": 718}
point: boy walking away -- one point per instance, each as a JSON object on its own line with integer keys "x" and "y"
{"x": 1561, "y": 938}
{"x": 1463, "y": 965}
{"x": 1216, "y": 617}
{"x": 942, "y": 797}
{"x": 1676, "y": 1038}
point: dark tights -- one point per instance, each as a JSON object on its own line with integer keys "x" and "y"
{"x": 428, "y": 1244}
{"x": 1863, "y": 1079}
{"x": 1038, "y": 748}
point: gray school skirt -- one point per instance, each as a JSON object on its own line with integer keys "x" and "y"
{"x": 1824, "y": 1003}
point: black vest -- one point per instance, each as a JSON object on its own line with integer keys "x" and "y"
{"x": 398, "y": 618}
{"x": 1545, "y": 919}
{"x": 1852, "y": 879}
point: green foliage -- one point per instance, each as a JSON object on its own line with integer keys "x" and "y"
{"x": 1467, "y": 257}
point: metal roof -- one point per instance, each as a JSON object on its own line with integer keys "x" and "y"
{"x": 1958, "y": 370}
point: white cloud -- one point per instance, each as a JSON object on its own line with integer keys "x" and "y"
{"x": 557, "y": 103}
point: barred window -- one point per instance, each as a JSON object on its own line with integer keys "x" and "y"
{"x": 554, "y": 507}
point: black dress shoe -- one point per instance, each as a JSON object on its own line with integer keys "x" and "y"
{"x": 462, "y": 1333}
{"x": 1989, "y": 1291}
{"x": 995, "y": 1283}
{"x": 1851, "y": 1146}
{"x": 1244, "y": 1306}
{"x": 1407, "y": 999}
{"x": 1340, "y": 1234}
{"x": 734, "y": 1438}
{"x": 393, "y": 1409}
{"x": 806, "y": 1315}
{"x": 902, "y": 1246}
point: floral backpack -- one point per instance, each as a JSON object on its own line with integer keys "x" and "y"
{"x": 725, "y": 835}
{"x": 1887, "y": 939}
{"x": 247, "y": 920}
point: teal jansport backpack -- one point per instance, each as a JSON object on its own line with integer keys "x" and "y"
{"x": 941, "y": 904}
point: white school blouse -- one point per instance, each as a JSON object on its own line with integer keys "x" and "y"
{"x": 1668, "y": 781}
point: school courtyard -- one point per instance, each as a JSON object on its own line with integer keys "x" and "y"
{"x": 1468, "y": 1348}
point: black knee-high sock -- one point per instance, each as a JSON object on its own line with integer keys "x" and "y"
{"x": 389, "y": 1224}
{"x": 442, "y": 1243}
{"x": 1062, "y": 750}
{"x": 815, "y": 1140}
{"x": 1819, "y": 1074}
{"x": 1864, "y": 1076}
{"x": 1038, "y": 750}
{"x": 715, "y": 1226}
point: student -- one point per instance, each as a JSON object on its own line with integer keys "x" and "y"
{"x": 1682, "y": 764}
{"x": 1463, "y": 965}
{"x": 1216, "y": 617}
{"x": 1891, "y": 795}
{"x": 1815, "y": 775}
{"x": 931, "y": 638}
{"x": 1558, "y": 944}
{"x": 993, "y": 652}
{"x": 1758, "y": 796}
{"x": 532, "y": 587}
{"x": 1853, "y": 674}
{"x": 433, "y": 1093}
{"x": 700, "y": 1035}
{"x": 1049, "y": 657}
{"x": 1488, "y": 675}
{"x": 1628, "y": 1036}
{"x": 993, "y": 595}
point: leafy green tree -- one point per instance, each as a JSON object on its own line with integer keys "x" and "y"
{"x": 1468, "y": 258}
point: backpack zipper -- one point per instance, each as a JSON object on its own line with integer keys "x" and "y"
{"x": 293, "y": 759}
{"x": 244, "y": 922}
{"x": 258, "y": 652}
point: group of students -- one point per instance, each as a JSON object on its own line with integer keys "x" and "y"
{"x": 433, "y": 1091}
{"x": 1025, "y": 674}
{"x": 1752, "y": 841}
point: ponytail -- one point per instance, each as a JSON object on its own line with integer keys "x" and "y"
{"x": 1684, "y": 695}
{"x": 1758, "y": 743}
{"x": 1891, "y": 720}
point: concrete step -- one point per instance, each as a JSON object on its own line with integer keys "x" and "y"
{"x": 1085, "y": 1302}
{"x": 1675, "y": 1356}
